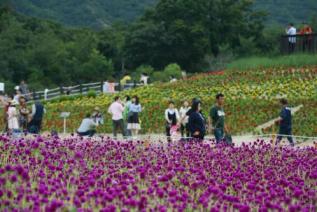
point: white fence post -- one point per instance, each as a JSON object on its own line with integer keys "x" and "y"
{"x": 45, "y": 94}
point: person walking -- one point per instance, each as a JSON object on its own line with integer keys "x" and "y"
{"x": 172, "y": 118}
{"x": 196, "y": 122}
{"x": 133, "y": 119}
{"x": 217, "y": 119}
{"x": 87, "y": 126}
{"x": 285, "y": 123}
{"x": 24, "y": 114}
{"x": 291, "y": 32}
{"x": 184, "y": 119}
{"x": 38, "y": 112}
{"x": 116, "y": 110}
{"x": 13, "y": 115}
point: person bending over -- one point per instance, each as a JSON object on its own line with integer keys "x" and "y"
{"x": 87, "y": 127}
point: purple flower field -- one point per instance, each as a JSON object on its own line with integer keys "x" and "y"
{"x": 81, "y": 175}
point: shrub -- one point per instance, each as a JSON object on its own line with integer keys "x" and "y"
{"x": 91, "y": 93}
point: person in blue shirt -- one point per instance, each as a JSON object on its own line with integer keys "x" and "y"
{"x": 135, "y": 109}
{"x": 285, "y": 123}
{"x": 196, "y": 122}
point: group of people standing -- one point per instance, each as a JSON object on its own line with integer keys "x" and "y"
{"x": 306, "y": 31}
{"x": 19, "y": 117}
{"x": 125, "y": 118}
{"x": 189, "y": 120}
{"x": 192, "y": 123}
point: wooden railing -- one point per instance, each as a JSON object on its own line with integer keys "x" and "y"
{"x": 98, "y": 87}
{"x": 299, "y": 43}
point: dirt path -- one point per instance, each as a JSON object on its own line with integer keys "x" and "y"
{"x": 237, "y": 140}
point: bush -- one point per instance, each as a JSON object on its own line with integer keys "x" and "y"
{"x": 91, "y": 93}
{"x": 142, "y": 69}
{"x": 159, "y": 76}
{"x": 170, "y": 70}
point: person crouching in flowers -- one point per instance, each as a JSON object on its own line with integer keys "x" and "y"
{"x": 133, "y": 119}
{"x": 171, "y": 117}
{"x": 197, "y": 123}
{"x": 87, "y": 126}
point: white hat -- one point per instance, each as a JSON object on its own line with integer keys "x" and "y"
{"x": 17, "y": 88}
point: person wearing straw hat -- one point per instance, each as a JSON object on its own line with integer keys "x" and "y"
{"x": 24, "y": 113}
{"x": 97, "y": 116}
{"x": 285, "y": 123}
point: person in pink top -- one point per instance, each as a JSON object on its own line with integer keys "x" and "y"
{"x": 116, "y": 110}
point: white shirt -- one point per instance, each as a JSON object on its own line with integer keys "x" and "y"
{"x": 183, "y": 115}
{"x": 86, "y": 125}
{"x": 173, "y": 80}
{"x": 116, "y": 109}
{"x": 144, "y": 79}
{"x": 171, "y": 111}
{"x": 292, "y": 32}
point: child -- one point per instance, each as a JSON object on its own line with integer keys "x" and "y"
{"x": 174, "y": 132}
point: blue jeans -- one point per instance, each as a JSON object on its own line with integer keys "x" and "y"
{"x": 219, "y": 134}
{"x": 89, "y": 133}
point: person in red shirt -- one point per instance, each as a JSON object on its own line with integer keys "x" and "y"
{"x": 306, "y": 32}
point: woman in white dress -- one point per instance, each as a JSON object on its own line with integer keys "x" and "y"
{"x": 13, "y": 117}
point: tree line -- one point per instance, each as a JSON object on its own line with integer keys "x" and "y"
{"x": 184, "y": 32}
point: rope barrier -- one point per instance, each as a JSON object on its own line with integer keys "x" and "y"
{"x": 294, "y": 136}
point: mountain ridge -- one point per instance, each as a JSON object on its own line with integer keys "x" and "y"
{"x": 101, "y": 13}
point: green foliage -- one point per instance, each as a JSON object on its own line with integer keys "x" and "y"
{"x": 91, "y": 93}
{"x": 101, "y": 13}
{"x": 142, "y": 69}
{"x": 95, "y": 14}
{"x": 185, "y": 31}
{"x": 47, "y": 55}
{"x": 297, "y": 60}
{"x": 285, "y": 11}
{"x": 169, "y": 71}
{"x": 173, "y": 70}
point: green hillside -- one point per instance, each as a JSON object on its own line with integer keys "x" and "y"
{"x": 92, "y": 13}
{"x": 251, "y": 100}
{"x": 98, "y": 13}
